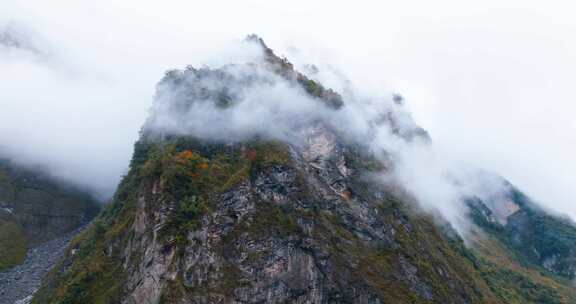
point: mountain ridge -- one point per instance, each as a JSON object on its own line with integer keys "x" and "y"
{"x": 255, "y": 219}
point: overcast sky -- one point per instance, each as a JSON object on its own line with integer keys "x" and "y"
{"x": 493, "y": 81}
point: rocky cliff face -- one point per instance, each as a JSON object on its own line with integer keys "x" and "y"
{"x": 284, "y": 224}
{"x": 258, "y": 220}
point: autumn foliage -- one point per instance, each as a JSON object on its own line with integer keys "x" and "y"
{"x": 194, "y": 163}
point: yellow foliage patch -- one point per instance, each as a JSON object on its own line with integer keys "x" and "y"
{"x": 185, "y": 157}
{"x": 202, "y": 166}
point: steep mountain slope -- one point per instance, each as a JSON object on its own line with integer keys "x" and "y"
{"x": 230, "y": 218}
{"x": 533, "y": 236}
{"x": 34, "y": 208}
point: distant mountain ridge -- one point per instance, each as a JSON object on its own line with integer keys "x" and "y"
{"x": 536, "y": 236}
{"x": 35, "y": 208}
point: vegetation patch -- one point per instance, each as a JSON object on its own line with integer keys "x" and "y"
{"x": 95, "y": 274}
{"x": 12, "y": 243}
{"x": 192, "y": 176}
{"x": 516, "y": 282}
{"x": 92, "y": 271}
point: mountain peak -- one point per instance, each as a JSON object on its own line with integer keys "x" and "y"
{"x": 260, "y": 189}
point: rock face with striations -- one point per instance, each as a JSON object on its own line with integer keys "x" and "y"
{"x": 260, "y": 220}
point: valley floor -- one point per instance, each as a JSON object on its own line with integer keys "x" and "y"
{"x": 20, "y": 282}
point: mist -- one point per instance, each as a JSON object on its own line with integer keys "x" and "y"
{"x": 491, "y": 84}
{"x": 247, "y": 99}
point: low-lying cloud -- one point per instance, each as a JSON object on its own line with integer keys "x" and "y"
{"x": 77, "y": 84}
{"x": 76, "y": 126}
{"x": 241, "y": 101}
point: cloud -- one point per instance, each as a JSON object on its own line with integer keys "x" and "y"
{"x": 58, "y": 117}
{"x": 237, "y": 102}
{"x": 496, "y": 95}
{"x": 249, "y": 101}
